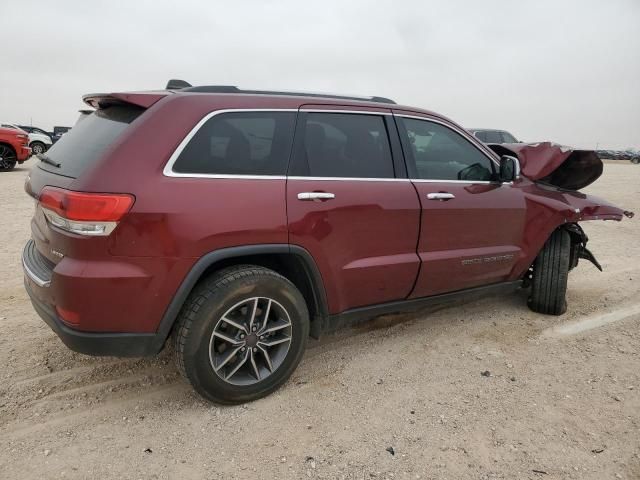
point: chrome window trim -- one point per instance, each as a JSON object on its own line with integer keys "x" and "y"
{"x": 460, "y": 132}
{"x": 350, "y": 179}
{"x": 168, "y": 168}
{"x": 473, "y": 182}
{"x": 359, "y": 112}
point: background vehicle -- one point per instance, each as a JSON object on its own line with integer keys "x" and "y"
{"x": 58, "y": 132}
{"x": 14, "y": 147}
{"x": 39, "y": 140}
{"x": 487, "y": 135}
{"x": 260, "y": 218}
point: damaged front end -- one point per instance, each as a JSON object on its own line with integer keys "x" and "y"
{"x": 553, "y": 164}
{"x": 550, "y": 177}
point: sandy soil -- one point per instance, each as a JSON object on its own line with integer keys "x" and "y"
{"x": 562, "y": 400}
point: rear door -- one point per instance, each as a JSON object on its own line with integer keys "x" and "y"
{"x": 351, "y": 206}
{"x": 472, "y": 225}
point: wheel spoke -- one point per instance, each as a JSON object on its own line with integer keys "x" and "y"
{"x": 227, "y": 338}
{"x": 231, "y": 354}
{"x": 253, "y": 313}
{"x": 235, "y": 324}
{"x": 273, "y": 341}
{"x": 256, "y": 371}
{"x": 266, "y": 315}
{"x": 238, "y": 365}
{"x": 267, "y": 358}
{"x": 275, "y": 328}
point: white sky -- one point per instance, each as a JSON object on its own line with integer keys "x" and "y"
{"x": 560, "y": 70}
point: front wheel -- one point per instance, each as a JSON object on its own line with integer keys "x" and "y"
{"x": 241, "y": 334}
{"x": 550, "y": 275}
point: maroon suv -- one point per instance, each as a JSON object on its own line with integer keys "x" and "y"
{"x": 238, "y": 223}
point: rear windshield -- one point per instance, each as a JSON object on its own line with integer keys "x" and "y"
{"x": 84, "y": 144}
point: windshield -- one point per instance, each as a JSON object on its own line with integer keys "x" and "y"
{"x": 85, "y": 143}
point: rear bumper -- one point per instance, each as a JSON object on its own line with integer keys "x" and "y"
{"x": 90, "y": 343}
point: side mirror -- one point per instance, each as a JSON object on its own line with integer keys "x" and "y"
{"x": 509, "y": 168}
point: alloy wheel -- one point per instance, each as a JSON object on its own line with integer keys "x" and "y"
{"x": 7, "y": 158}
{"x": 250, "y": 341}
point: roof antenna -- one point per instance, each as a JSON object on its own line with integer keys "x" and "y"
{"x": 176, "y": 84}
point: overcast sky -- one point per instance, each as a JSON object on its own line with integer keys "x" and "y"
{"x": 561, "y": 70}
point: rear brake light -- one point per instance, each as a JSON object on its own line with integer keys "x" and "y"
{"x": 84, "y": 213}
{"x": 68, "y": 316}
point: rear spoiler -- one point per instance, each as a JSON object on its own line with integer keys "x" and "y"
{"x": 140, "y": 99}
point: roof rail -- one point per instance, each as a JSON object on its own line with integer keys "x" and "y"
{"x": 185, "y": 87}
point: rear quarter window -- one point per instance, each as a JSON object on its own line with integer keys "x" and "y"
{"x": 82, "y": 146}
{"x": 239, "y": 143}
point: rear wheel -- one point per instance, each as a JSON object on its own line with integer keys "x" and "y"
{"x": 8, "y": 158}
{"x": 241, "y": 334}
{"x": 550, "y": 275}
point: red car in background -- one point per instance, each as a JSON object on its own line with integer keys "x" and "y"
{"x": 14, "y": 148}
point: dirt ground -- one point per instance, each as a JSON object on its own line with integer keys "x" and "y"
{"x": 561, "y": 400}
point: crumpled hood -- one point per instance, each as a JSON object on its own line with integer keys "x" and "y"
{"x": 555, "y": 164}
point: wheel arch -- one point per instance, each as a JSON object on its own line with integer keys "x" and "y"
{"x": 293, "y": 262}
{"x": 7, "y": 144}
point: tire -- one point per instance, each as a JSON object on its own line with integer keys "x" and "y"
{"x": 239, "y": 370}
{"x": 8, "y": 158}
{"x": 550, "y": 275}
{"x": 37, "y": 148}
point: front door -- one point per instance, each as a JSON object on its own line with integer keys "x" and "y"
{"x": 346, "y": 206}
{"x": 472, "y": 225}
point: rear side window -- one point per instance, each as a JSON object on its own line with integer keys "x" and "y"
{"x": 240, "y": 143}
{"x": 344, "y": 145}
{"x": 436, "y": 152}
{"x": 82, "y": 146}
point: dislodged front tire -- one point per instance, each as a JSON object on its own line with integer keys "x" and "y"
{"x": 241, "y": 334}
{"x": 550, "y": 274}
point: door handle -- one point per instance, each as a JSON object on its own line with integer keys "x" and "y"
{"x": 310, "y": 196}
{"x": 443, "y": 196}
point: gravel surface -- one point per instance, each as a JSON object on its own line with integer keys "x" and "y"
{"x": 477, "y": 390}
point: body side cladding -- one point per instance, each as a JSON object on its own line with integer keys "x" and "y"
{"x": 211, "y": 258}
{"x": 361, "y": 314}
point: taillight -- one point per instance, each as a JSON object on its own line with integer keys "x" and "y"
{"x": 24, "y": 138}
{"x": 84, "y": 213}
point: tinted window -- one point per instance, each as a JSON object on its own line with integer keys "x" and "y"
{"x": 439, "y": 153}
{"x": 344, "y": 145}
{"x": 493, "y": 137}
{"x": 82, "y": 146}
{"x": 508, "y": 138}
{"x": 242, "y": 143}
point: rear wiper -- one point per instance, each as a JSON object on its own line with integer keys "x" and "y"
{"x": 45, "y": 159}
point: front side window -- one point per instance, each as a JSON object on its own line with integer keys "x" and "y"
{"x": 240, "y": 143}
{"x": 439, "y": 153}
{"x": 344, "y": 145}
